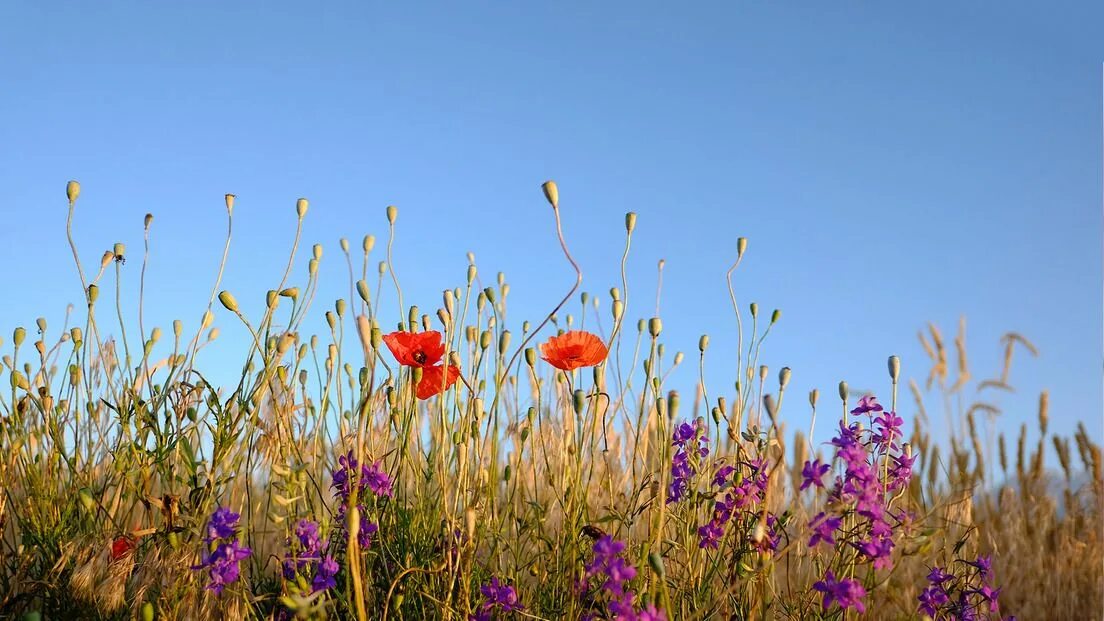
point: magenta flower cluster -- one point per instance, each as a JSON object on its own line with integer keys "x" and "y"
{"x": 223, "y": 551}
{"x": 876, "y": 468}
{"x": 497, "y": 596}
{"x": 366, "y": 479}
{"x": 607, "y": 573}
{"x": 307, "y": 558}
{"x": 742, "y": 489}
{"x": 690, "y": 439}
{"x": 967, "y": 595}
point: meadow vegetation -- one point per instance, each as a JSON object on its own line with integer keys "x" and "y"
{"x": 454, "y": 465}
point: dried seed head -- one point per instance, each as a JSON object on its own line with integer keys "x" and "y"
{"x": 551, "y": 193}
{"x": 147, "y": 221}
{"x": 784, "y": 377}
{"x": 703, "y": 343}
{"x": 72, "y": 191}
{"x": 741, "y": 246}
{"x": 229, "y": 203}
{"x": 655, "y": 326}
{"x": 630, "y": 222}
{"x": 106, "y": 259}
{"x": 301, "y": 207}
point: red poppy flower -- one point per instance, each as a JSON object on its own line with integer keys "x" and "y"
{"x": 120, "y": 547}
{"x": 436, "y": 380}
{"x": 574, "y": 349}
{"x": 416, "y": 349}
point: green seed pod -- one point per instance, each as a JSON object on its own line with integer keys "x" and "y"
{"x": 640, "y": 325}
{"x": 503, "y": 342}
{"x": 775, "y": 316}
{"x": 392, "y": 214}
{"x": 843, "y": 391}
{"x": 178, "y": 327}
{"x": 412, "y": 318}
{"x": 229, "y": 199}
{"x": 485, "y": 339}
{"x": 551, "y": 193}
{"x": 228, "y": 301}
{"x": 18, "y": 336}
{"x": 301, "y": 207}
{"x": 579, "y": 401}
{"x": 673, "y": 402}
{"x": 344, "y": 243}
{"x": 784, "y": 377}
{"x": 271, "y": 299}
{"x": 41, "y": 323}
{"x": 339, "y": 306}
{"x": 77, "y": 335}
{"x": 703, "y": 343}
{"x": 72, "y": 191}
{"x": 530, "y": 356}
{"x": 661, "y": 407}
{"x": 382, "y": 269}
{"x": 524, "y": 434}
{"x": 894, "y": 368}
{"x": 471, "y": 274}
{"x": 506, "y": 473}
{"x": 716, "y": 412}
{"x": 763, "y": 372}
{"x": 416, "y": 375}
{"x": 489, "y": 292}
{"x": 86, "y": 500}
{"x": 656, "y": 563}
{"x": 119, "y": 249}
{"x": 19, "y": 381}
{"x": 618, "y": 309}
{"x": 655, "y": 326}
{"x": 93, "y": 294}
{"x": 147, "y": 611}
{"x": 741, "y": 246}
{"x": 754, "y": 309}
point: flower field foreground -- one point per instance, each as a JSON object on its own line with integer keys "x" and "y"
{"x": 452, "y": 466}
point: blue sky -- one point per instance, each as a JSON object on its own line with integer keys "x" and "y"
{"x": 891, "y": 165}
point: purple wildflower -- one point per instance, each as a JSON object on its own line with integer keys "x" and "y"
{"x": 867, "y": 404}
{"x": 812, "y": 473}
{"x": 690, "y": 440}
{"x": 848, "y": 593}
{"x": 324, "y": 574}
{"x": 224, "y": 551}
{"x": 824, "y": 528}
{"x": 496, "y": 596}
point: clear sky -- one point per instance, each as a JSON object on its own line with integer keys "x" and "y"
{"x": 891, "y": 165}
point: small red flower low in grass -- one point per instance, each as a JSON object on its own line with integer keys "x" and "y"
{"x": 574, "y": 349}
{"x": 424, "y": 350}
{"x": 120, "y": 547}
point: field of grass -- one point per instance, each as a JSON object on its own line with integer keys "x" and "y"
{"x": 450, "y": 465}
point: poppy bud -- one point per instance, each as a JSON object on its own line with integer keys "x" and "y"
{"x": 640, "y": 325}
{"x": 530, "y": 356}
{"x": 331, "y": 319}
{"x": 228, "y": 301}
{"x": 119, "y": 249}
{"x": 656, "y": 563}
{"x": 290, "y": 292}
{"x": 382, "y": 267}
{"x": 77, "y": 334}
{"x": 814, "y": 395}
{"x": 485, "y": 339}
{"x": 490, "y": 293}
{"x": 316, "y": 251}
{"x": 229, "y": 198}
{"x": 763, "y": 372}
{"x": 344, "y": 243}
{"x": 618, "y": 309}
{"x": 155, "y": 335}
{"x": 392, "y": 213}
{"x": 894, "y": 368}
{"x": 368, "y": 243}
{"x": 754, "y": 309}
{"x": 703, "y": 343}
{"x": 630, "y": 222}
{"x": 19, "y": 381}
{"x": 471, "y": 274}
{"x": 147, "y": 221}
{"x": 503, "y": 342}
{"x": 776, "y": 315}
{"x": 551, "y": 193}
{"x": 673, "y": 403}
{"x": 271, "y": 297}
{"x": 301, "y": 206}
{"x": 741, "y": 246}
{"x": 208, "y": 317}
{"x": 72, "y": 191}
{"x": 661, "y": 407}
{"x": 784, "y": 377}
{"x": 615, "y": 293}
{"x": 107, "y": 258}
{"x": 843, "y": 391}
{"x": 18, "y": 336}
{"x": 312, "y": 267}
{"x": 147, "y": 611}
{"x": 412, "y": 318}
{"x": 655, "y": 326}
